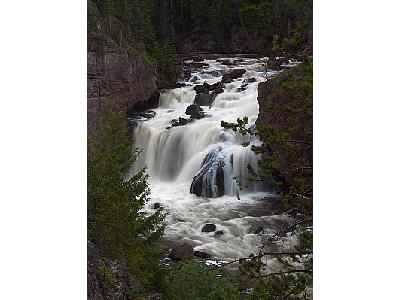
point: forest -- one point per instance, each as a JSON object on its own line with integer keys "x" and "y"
{"x": 243, "y": 72}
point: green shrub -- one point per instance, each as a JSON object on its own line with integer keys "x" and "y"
{"x": 197, "y": 281}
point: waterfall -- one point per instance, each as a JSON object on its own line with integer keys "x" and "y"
{"x": 199, "y": 149}
{"x": 193, "y": 162}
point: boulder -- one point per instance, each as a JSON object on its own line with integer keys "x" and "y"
{"x": 183, "y": 121}
{"x": 209, "y": 227}
{"x": 201, "y": 254}
{"x": 218, "y": 90}
{"x": 157, "y": 205}
{"x": 200, "y": 89}
{"x": 207, "y": 86}
{"x": 209, "y": 181}
{"x": 251, "y": 80}
{"x": 204, "y": 99}
{"x": 236, "y": 73}
{"x": 218, "y": 233}
{"x": 226, "y": 78}
{"x": 195, "y": 111}
{"x": 181, "y": 252}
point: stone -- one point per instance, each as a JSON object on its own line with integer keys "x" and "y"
{"x": 204, "y": 99}
{"x": 209, "y": 227}
{"x": 183, "y": 121}
{"x": 200, "y": 89}
{"x": 157, "y": 205}
{"x": 236, "y": 73}
{"x": 195, "y": 111}
{"x": 219, "y": 233}
{"x": 182, "y": 252}
{"x": 209, "y": 180}
{"x": 218, "y": 90}
{"x": 202, "y": 254}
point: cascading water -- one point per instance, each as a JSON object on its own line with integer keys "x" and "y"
{"x": 193, "y": 164}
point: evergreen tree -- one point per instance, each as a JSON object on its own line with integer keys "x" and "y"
{"x": 115, "y": 223}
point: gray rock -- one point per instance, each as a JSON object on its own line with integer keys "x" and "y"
{"x": 204, "y": 99}
{"x": 195, "y": 111}
{"x": 182, "y": 252}
{"x": 202, "y": 254}
{"x": 209, "y": 227}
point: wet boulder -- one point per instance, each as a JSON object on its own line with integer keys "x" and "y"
{"x": 236, "y": 73}
{"x": 204, "y": 99}
{"x": 195, "y": 111}
{"x": 209, "y": 180}
{"x": 218, "y": 233}
{"x": 251, "y": 80}
{"x": 182, "y": 252}
{"x": 218, "y": 90}
{"x": 157, "y": 205}
{"x": 202, "y": 254}
{"x": 226, "y": 78}
{"x": 209, "y": 227}
{"x": 200, "y": 89}
{"x": 182, "y": 121}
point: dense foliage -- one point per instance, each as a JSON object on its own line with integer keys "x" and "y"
{"x": 115, "y": 224}
{"x": 197, "y": 281}
{"x": 289, "y": 21}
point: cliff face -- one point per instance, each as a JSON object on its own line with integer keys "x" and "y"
{"x": 114, "y": 74}
{"x": 286, "y": 105}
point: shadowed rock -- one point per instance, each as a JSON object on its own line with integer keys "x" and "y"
{"x": 195, "y": 111}
{"x": 182, "y": 252}
{"x": 209, "y": 227}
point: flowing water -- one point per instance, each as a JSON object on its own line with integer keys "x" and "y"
{"x": 175, "y": 155}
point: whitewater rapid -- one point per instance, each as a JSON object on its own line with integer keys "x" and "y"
{"x": 174, "y": 155}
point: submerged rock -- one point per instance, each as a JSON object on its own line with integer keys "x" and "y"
{"x": 157, "y": 205}
{"x": 218, "y": 233}
{"x": 209, "y": 181}
{"x": 209, "y": 227}
{"x": 182, "y": 252}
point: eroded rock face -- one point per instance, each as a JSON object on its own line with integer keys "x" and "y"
{"x": 117, "y": 74}
{"x": 209, "y": 181}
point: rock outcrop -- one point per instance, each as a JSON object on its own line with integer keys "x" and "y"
{"x": 115, "y": 74}
{"x": 209, "y": 181}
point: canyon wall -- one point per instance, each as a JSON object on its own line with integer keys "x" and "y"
{"x": 115, "y": 74}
